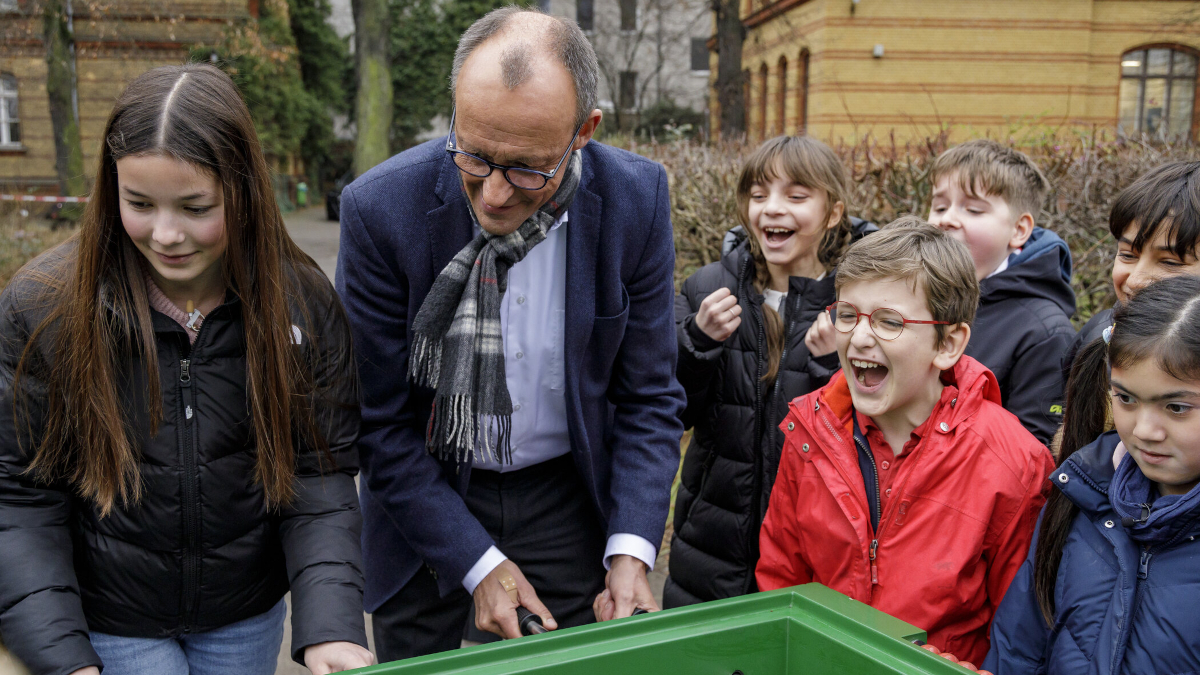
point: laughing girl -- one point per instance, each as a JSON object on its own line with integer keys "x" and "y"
{"x": 745, "y": 351}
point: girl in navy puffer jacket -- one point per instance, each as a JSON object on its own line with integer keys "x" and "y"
{"x": 1112, "y": 581}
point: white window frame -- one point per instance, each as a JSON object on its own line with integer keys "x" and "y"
{"x": 8, "y": 90}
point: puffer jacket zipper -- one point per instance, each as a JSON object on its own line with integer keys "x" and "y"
{"x": 191, "y": 498}
{"x": 760, "y": 370}
{"x": 189, "y": 443}
{"x": 1143, "y": 575}
{"x": 791, "y": 312}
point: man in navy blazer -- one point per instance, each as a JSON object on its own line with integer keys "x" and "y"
{"x": 588, "y": 488}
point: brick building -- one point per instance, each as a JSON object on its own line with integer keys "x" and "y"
{"x": 115, "y": 42}
{"x": 845, "y": 68}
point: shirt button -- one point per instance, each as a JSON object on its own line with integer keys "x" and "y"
{"x": 888, "y": 492}
{"x": 1109, "y": 524}
{"x": 520, "y": 355}
{"x": 791, "y": 426}
{"x": 944, "y": 427}
{"x": 885, "y": 465}
{"x": 520, "y": 300}
{"x": 516, "y": 407}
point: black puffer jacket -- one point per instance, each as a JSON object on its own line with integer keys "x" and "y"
{"x": 734, "y": 454}
{"x": 200, "y": 550}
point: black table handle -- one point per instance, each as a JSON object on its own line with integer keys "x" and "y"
{"x": 530, "y": 623}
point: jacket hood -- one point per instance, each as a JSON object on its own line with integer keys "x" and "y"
{"x": 975, "y": 384}
{"x": 1041, "y": 269}
{"x": 1128, "y": 493}
{"x": 1101, "y": 488}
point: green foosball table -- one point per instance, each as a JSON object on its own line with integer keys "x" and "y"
{"x": 806, "y": 630}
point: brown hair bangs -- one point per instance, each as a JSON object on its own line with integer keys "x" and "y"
{"x": 985, "y": 167}
{"x": 913, "y": 250}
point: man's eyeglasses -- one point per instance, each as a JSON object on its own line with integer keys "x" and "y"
{"x": 885, "y": 323}
{"x": 525, "y": 179}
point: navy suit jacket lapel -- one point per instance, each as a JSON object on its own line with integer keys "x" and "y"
{"x": 583, "y": 242}
{"x": 449, "y": 225}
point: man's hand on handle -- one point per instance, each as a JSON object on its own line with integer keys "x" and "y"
{"x": 626, "y": 589}
{"x": 496, "y": 607}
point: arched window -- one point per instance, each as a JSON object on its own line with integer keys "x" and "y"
{"x": 781, "y": 98}
{"x": 10, "y": 119}
{"x": 764, "y": 79}
{"x": 802, "y": 94}
{"x": 1158, "y": 92}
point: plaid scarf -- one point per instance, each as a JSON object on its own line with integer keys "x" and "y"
{"x": 458, "y": 348}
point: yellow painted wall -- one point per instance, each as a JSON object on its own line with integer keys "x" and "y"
{"x": 977, "y": 66}
{"x": 113, "y": 46}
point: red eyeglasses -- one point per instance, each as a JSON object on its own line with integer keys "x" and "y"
{"x": 885, "y": 323}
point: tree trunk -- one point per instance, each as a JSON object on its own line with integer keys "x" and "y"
{"x": 373, "y": 109}
{"x": 730, "y": 96}
{"x": 60, "y": 89}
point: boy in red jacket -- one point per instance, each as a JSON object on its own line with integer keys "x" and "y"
{"x": 903, "y": 482}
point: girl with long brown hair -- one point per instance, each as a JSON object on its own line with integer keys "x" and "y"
{"x": 1111, "y": 583}
{"x": 178, "y": 407}
{"x": 747, "y": 346}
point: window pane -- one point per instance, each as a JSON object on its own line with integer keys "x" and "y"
{"x": 1158, "y": 62}
{"x": 628, "y": 95}
{"x": 1185, "y": 64}
{"x": 1183, "y": 95}
{"x": 1131, "y": 63}
{"x": 1129, "y": 106}
{"x": 584, "y": 15}
{"x": 14, "y": 133}
{"x": 699, "y": 54}
{"x": 10, "y": 108}
{"x": 628, "y": 14}
{"x": 1152, "y": 108}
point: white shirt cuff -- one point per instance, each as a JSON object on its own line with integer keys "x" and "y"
{"x": 484, "y": 566}
{"x": 630, "y": 544}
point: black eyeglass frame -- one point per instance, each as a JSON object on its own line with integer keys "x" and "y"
{"x": 546, "y": 177}
{"x": 871, "y": 323}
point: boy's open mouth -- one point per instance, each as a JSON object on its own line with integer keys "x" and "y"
{"x": 868, "y": 374}
{"x": 775, "y": 236}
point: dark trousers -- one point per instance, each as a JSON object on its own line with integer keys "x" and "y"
{"x": 543, "y": 519}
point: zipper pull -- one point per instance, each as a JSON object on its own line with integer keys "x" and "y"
{"x": 1144, "y": 564}
{"x": 185, "y": 375}
{"x": 874, "y": 567}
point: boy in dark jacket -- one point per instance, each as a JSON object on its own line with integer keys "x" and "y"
{"x": 903, "y": 483}
{"x": 987, "y": 196}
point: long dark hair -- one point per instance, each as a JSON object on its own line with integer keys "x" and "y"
{"x": 1162, "y": 322}
{"x": 811, "y": 163}
{"x": 99, "y": 315}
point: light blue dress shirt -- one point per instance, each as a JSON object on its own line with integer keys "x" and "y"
{"x": 532, "y": 321}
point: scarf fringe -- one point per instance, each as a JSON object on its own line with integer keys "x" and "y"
{"x": 453, "y": 429}
{"x": 425, "y": 361}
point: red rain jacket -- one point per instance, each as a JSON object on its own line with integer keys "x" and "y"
{"x": 952, "y": 535}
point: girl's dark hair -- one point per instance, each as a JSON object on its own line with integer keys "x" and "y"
{"x": 806, "y": 161}
{"x": 1166, "y": 196}
{"x": 1161, "y": 322}
{"x": 99, "y": 316}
